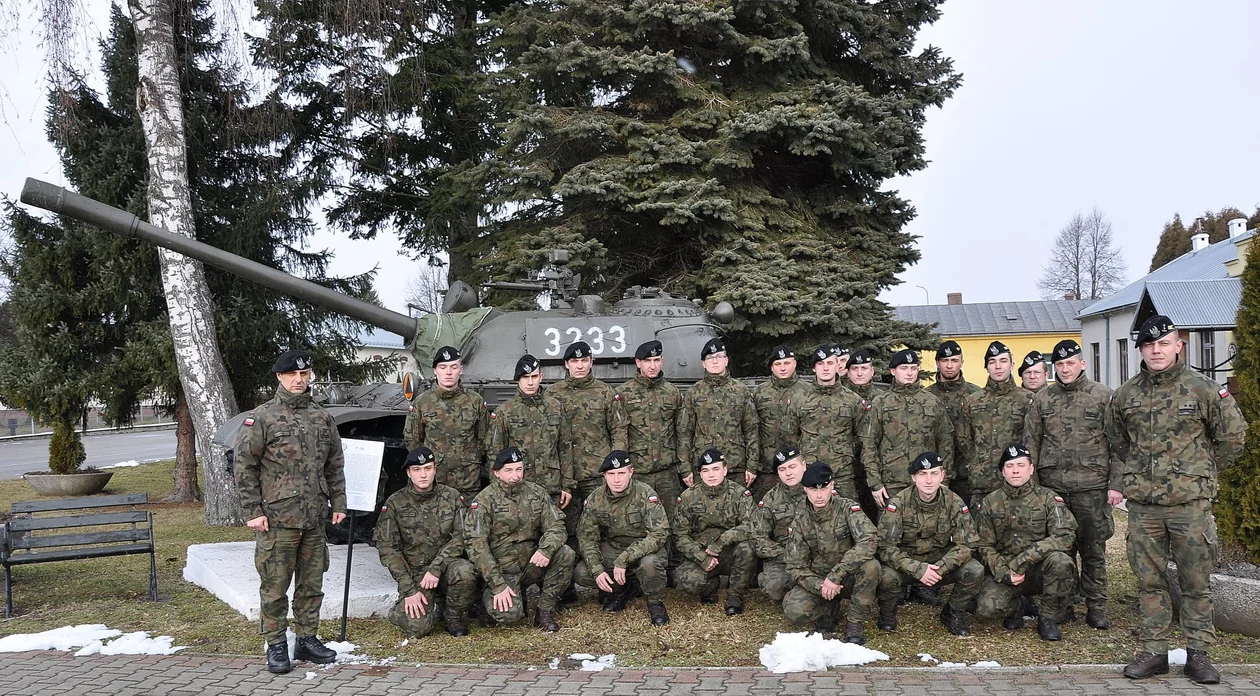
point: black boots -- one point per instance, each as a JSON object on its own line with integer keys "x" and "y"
{"x": 456, "y": 623}
{"x": 853, "y": 633}
{"x": 546, "y": 621}
{"x": 278, "y": 658}
{"x": 617, "y": 600}
{"x": 955, "y": 620}
{"x": 1148, "y": 664}
{"x": 922, "y": 594}
{"x": 1096, "y": 618}
{"x": 1048, "y": 629}
{"x": 656, "y": 610}
{"x": 1199, "y": 668}
{"x": 310, "y": 649}
{"x": 734, "y": 605}
{"x": 887, "y": 618}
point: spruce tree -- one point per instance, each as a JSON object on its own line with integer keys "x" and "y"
{"x": 1238, "y": 505}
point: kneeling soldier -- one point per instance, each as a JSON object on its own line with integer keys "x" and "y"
{"x": 831, "y": 554}
{"x": 516, "y": 539}
{"x": 420, "y": 537}
{"x": 1025, "y": 533}
{"x": 712, "y": 537}
{"x": 774, "y": 516}
{"x": 926, "y": 535}
{"x": 624, "y": 527}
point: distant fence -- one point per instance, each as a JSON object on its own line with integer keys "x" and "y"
{"x": 18, "y": 422}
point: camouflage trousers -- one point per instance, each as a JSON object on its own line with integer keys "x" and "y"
{"x": 668, "y": 487}
{"x": 649, "y": 570}
{"x": 457, "y": 584}
{"x": 738, "y": 560}
{"x": 774, "y": 580}
{"x": 573, "y": 513}
{"x": 861, "y": 588}
{"x": 553, "y": 581}
{"x": 966, "y": 579}
{"x": 466, "y": 480}
{"x": 1187, "y": 533}
{"x": 284, "y": 555}
{"x": 1095, "y": 526}
{"x": 845, "y": 485}
{"x": 1054, "y": 579}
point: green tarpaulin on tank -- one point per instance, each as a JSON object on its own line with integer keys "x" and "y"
{"x": 436, "y": 330}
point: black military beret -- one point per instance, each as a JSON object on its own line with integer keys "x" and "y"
{"x": 949, "y": 349}
{"x": 445, "y": 354}
{"x": 1032, "y": 359}
{"x": 651, "y": 349}
{"x": 925, "y": 461}
{"x": 418, "y": 457}
{"x": 816, "y": 475}
{"x": 785, "y": 453}
{"x": 292, "y": 361}
{"x": 780, "y": 353}
{"x": 1065, "y": 349}
{"x": 715, "y": 345}
{"x": 509, "y": 455}
{"x": 838, "y": 350}
{"x": 996, "y": 348}
{"x": 577, "y": 349}
{"x": 526, "y": 365}
{"x": 819, "y": 354}
{"x": 712, "y": 456}
{"x": 904, "y": 357}
{"x": 1013, "y": 451}
{"x": 861, "y": 357}
{"x": 1154, "y": 329}
{"x": 616, "y": 459}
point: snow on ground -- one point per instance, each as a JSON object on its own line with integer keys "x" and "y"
{"x": 590, "y": 663}
{"x": 810, "y": 652}
{"x": 926, "y": 657}
{"x": 1177, "y": 657}
{"x": 90, "y": 638}
{"x": 120, "y": 465}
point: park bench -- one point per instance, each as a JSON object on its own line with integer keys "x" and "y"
{"x": 27, "y": 538}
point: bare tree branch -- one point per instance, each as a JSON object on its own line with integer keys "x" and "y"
{"x": 1083, "y": 261}
{"x": 426, "y": 288}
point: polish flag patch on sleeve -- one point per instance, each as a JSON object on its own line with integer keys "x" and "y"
{"x": 1224, "y": 392}
{"x": 761, "y": 503}
{"x": 679, "y": 500}
{"x": 616, "y": 397}
{"x": 249, "y": 421}
{"x": 748, "y": 493}
{"x": 1057, "y": 499}
{"x": 966, "y": 510}
{"x": 891, "y": 507}
{"x": 855, "y": 508}
{"x": 653, "y": 499}
{"x": 383, "y": 508}
{"x": 473, "y": 506}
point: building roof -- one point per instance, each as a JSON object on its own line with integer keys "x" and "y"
{"x": 1192, "y": 304}
{"x": 997, "y": 318}
{"x": 378, "y": 338}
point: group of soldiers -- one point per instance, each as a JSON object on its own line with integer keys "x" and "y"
{"x": 813, "y": 491}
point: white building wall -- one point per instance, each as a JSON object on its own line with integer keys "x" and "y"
{"x": 1106, "y": 330}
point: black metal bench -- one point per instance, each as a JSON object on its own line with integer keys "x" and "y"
{"x": 23, "y": 544}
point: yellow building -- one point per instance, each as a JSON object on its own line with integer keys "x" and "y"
{"x": 1023, "y": 326}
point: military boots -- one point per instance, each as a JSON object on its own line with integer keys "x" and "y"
{"x": 546, "y": 621}
{"x": 309, "y": 648}
{"x": 617, "y": 600}
{"x": 1048, "y": 629}
{"x": 922, "y": 594}
{"x": 456, "y": 623}
{"x": 1096, "y": 618}
{"x": 1148, "y": 664}
{"x": 734, "y": 605}
{"x": 278, "y": 658}
{"x": 1199, "y": 668}
{"x": 887, "y": 617}
{"x": 955, "y": 620}
{"x": 853, "y": 633}
{"x": 656, "y": 610}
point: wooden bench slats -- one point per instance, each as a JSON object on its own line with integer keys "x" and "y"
{"x": 25, "y": 524}
{"x": 95, "y": 501}
{"x": 73, "y": 554}
{"x": 47, "y": 541}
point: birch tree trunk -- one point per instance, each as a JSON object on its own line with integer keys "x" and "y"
{"x": 191, "y": 309}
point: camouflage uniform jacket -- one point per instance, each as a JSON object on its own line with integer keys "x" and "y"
{"x": 534, "y": 425}
{"x": 718, "y": 412}
{"x": 953, "y": 393}
{"x": 830, "y": 543}
{"x": 651, "y": 407}
{"x": 773, "y": 401}
{"x": 1065, "y": 431}
{"x": 992, "y": 418}
{"x": 596, "y": 424}
{"x": 901, "y": 424}
{"x": 914, "y": 534}
{"x": 289, "y": 464}
{"x": 505, "y": 525}
{"x": 827, "y": 420}
{"x": 774, "y": 516}
{"x": 1173, "y": 430}
{"x": 633, "y": 522}
{"x": 420, "y": 532}
{"x": 1018, "y": 527}
{"x": 455, "y": 424}
{"x": 711, "y": 517}
{"x": 867, "y": 392}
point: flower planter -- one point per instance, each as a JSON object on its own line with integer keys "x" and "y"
{"x": 69, "y": 485}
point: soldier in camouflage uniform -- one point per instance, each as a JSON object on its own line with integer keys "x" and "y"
{"x": 532, "y": 422}
{"x": 1066, "y": 434}
{"x": 992, "y": 418}
{"x": 1033, "y": 372}
{"x": 718, "y": 413}
{"x": 1172, "y": 429}
{"x": 624, "y": 528}
{"x": 775, "y": 512}
{"x": 827, "y": 417}
{"x": 420, "y": 538}
{"x": 841, "y": 354}
{"x": 453, "y": 422}
{"x": 926, "y": 536}
{"x": 711, "y": 530}
{"x": 1025, "y": 533}
{"x": 773, "y": 400}
{"x": 861, "y": 381}
{"x": 516, "y": 539}
{"x": 831, "y": 554}
{"x": 289, "y": 472}
{"x": 952, "y": 389}
{"x": 651, "y": 406}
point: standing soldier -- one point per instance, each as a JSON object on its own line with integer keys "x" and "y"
{"x": 1172, "y": 429}
{"x": 1025, "y": 536}
{"x": 774, "y": 515}
{"x": 831, "y": 554}
{"x": 651, "y": 406}
{"x": 1033, "y": 372}
{"x": 861, "y": 381}
{"x": 718, "y": 413}
{"x": 925, "y": 537}
{"x": 516, "y": 539}
{"x": 289, "y": 470}
{"x": 711, "y": 530}
{"x": 531, "y": 422}
{"x": 992, "y": 418}
{"x": 773, "y": 400}
{"x": 420, "y": 537}
{"x": 453, "y": 422}
{"x": 841, "y": 354}
{"x": 827, "y": 418}
{"x": 624, "y": 528}
{"x": 952, "y": 389}
{"x": 1066, "y": 435}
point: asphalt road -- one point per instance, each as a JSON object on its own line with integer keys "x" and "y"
{"x": 20, "y": 456}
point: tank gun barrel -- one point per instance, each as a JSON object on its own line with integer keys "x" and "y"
{"x": 527, "y": 287}
{"x": 42, "y": 194}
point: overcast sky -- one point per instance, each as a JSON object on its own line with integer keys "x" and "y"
{"x": 1140, "y": 108}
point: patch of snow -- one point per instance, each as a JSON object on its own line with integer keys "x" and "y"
{"x": 554, "y": 664}
{"x": 310, "y": 675}
{"x": 404, "y": 643}
{"x": 952, "y": 664}
{"x": 91, "y": 640}
{"x": 120, "y": 465}
{"x": 581, "y": 656}
{"x": 590, "y": 663}
{"x": 987, "y": 663}
{"x": 810, "y": 652}
{"x": 926, "y": 657}
{"x": 1177, "y": 657}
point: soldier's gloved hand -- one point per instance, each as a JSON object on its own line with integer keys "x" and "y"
{"x": 338, "y": 517}
{"x": 830, "y": 590}
{"x": 429, "y": 581}
{"x": 689, "y": 480}
{"x": 619, "y": 575}
{"x": 1017, "y": 579}
{"x": 1114, "y": 498}
{"x": 415, "y": 605}
{"x": 931, "y": 576}
{"x": 749, "y": 477}
{"x": 881, "y": 496}
{"x": 540, "y": 559}
{"x": 713, "y": 563}
{"x": 503, "y": 600}
{"x": 258, "y": 524}
{"x": 565, "y": 498}
{"x": 604, "y": 582}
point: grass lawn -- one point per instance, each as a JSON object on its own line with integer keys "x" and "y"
{"x": 113, "y": 591}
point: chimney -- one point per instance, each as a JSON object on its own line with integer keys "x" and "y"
{"x": 1199, "y": 241}
{"x": 1236, "y": 227}
{"x": 954, "y": 298}
{"x": 1070, "y": 295}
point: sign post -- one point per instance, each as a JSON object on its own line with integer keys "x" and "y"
{"x": 363, "y": 472}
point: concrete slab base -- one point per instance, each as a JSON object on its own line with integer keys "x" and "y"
{"x": 227, "y": 571}
{"x": 1235, "y": 601}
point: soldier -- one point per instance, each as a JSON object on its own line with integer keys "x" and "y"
{"x": 773, "y": 399}
{"x": 516, "y": 539}
{"x": 952, "y": 389}
{"x": 1172, "y": 429}
{"x": 1025, "y": 533}
{"x": 624, "y": 528}
{"x": 831, "y": 554}
{"x": 453, "y": 422}
{"x": 532, "y": 422}
{"x": 774, "y": 515}
{"x": 860, "y": 381}
{"x": 841, "y": 354}
{"x": 1033, "y": 372}
{"x": 289, "y": 469}
{"x": 420, "y": 538}
{"x": 925, "y": 537}
{"x": 718, "y": 412}
{"x": 991, "y": 419}
{"x": 1066, "y": 435}
{"x": 651, "y": 406}
{"x": 711, "y": 530}
{"x": 827, "y": 417}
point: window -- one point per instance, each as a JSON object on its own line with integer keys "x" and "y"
{"x": 1096, "y": 360}
{"x": 1207, "y": 352}
{"x": 1122, "y": 349}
